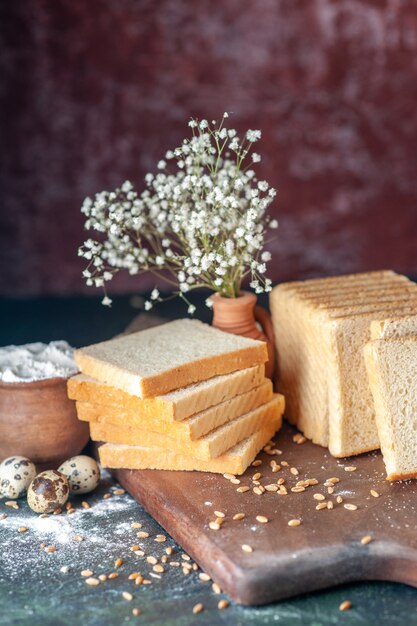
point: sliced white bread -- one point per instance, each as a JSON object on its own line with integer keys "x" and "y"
{"x": 302, "y": 341}
{"x": 157, "y": 360}
{"x": 398, "y": 326}
{"x": 343, "y": 282}
{"x": 187, "y": 429}
{"x": 392, "y": 368}
{"x": 234, "y": 461}
{"x": 176, "y": 405}
{"x": 207, "y": 447}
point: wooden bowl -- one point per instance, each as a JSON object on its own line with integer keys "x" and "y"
{"x": 39, "y": 421}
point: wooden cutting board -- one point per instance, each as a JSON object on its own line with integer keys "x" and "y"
{"x": 325, "y": 550}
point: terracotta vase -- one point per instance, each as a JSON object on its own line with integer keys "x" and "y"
{"x": 242, "y": 316}
{"x": 39, "y": 421}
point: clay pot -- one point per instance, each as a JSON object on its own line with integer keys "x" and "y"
{"x": 241, "y": 316}
{"x": 39, "y": 421}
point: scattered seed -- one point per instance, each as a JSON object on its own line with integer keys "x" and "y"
{"x": 312, "y": 481}
{"x": 43, "y": 516}
{"x": 135, "y": 525}
{"x": 50, "y": 549}
{"x": 229, "y": 476}
{"x": 223, "y": 604}
{"x": 215, "y": 588}
{"x": 85, "y": 505}
{"x": 318, "y": 496}
{"x": 119, "y": 492}
{"x": 365, "y": 540}
{"x": 294, "y": 471}
{"x": 298, "y": 489}
{"x": 169, "y": 550}
{"x": 146, "y": 581}
{"x": 258, "y": 490}
{"x": 113, "y": 575}
{"x": 350, "y": 468}
{"x": 214, "y": 526}
{"x": 139, "y": 580}
{"x": 280, "y": 481}
{"x": 160, "y": 538}
{"x": 12, "y": 503}
{"x": 339, "y": 499}
{"x": 142, "y": 534}
{"x": 271, "y": 487}
{"x": 197, "y": 608}
{"x": 243, "y": 489}
{"x": 204, "y": 577}
{"x": 321, "y": 506}
{"x": 134, "y": 548}
{"x": 374, "y": 493}
{"x": 330, "y": 490}
{"x": 299, "y": 439}
{"x": 333, "y": 480}
{"x": 238, "y": 516}
{"x": 257, "y": 476}
{"x": 185, "y": 557}
{"x": 22, "y": 529}
{"x": 135, "y": 611}
{"x": 102, "y": 578}
{"x": 127, "y": 596}
{"x": 118, "y": 563}
{"x": 158, "y": 568}
{"x": 164, "y": 558}
{"x": 68, "y": 505}
{"x": 350, "y": 507}
{"x": 284, "y": 463}
{"x": 235, "y": 481}
{"x": 219, "y": 514}
{"x": 86, "y": 573}
{"x": 330, "y": 505}
{"x": 107, "y": 496}
{"x": 294, "y": 522}
{"x": 345, "y": 605}
{"x": 152, "y": 560}
{"x": 78, "y": 538}
{"x": 93, "y": 582}
{"x": 3, "y": 516}
{"x": 247, "y": 548}
{"x": 257, "y": 463}
{"x": 262, "y": 519}
{"x": 57, "y": 512}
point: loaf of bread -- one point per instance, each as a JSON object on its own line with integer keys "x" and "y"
{"x": 392, "y": 366}
{"x": 185, "y": 430}
{"x": 175, "y": 405}
{"x": 234, "y": 461}
{"x": 207, "y": 447}
{"x": 321, "y": 371}
{"x": 398, "y": 326}
{"x": 157, "y": 360}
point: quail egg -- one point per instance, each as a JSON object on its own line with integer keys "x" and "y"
{"x": 48, "y": 491}
{"x": 16, "y": 474}
{"x": 82, "y": 472}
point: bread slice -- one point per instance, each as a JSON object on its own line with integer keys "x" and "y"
{"x": 392, "y": 365}
{"x": 234, "y": 461}
{"x": 175, "y": 405}
{"x": 207, "y": 447}
{"x": 185, "y": 430}
{"x": 398, "y": 326}
{"x": 342, "y": 282}
{"x": 302, "y": 340}
{"x": 157, "y": 360}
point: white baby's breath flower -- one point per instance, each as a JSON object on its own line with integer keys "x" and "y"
{"x": 266, "y": 256}
{"x": 155, "y": 294}
{"x": 162, "y": 164}
{"x": 253, "y": 135}
{"x": 106, "y": 301}
{"x": 191, "y": 309}
{"x": 225, "y": 115}
{"x": 273, "y": 224}
{"x": 148, "y": 305}
{"x": 256, "y": 158}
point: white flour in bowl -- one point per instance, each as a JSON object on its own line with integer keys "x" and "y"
{"x": 36, "y": 361}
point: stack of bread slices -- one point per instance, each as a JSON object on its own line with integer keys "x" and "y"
{"x": 321, "y": 329}
{"x": 180, "y": 396}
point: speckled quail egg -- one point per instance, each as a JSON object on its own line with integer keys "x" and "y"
{"x": 48, "y": 491}
{"x": 16, "y": 474}
{"x": 82, "y": 472}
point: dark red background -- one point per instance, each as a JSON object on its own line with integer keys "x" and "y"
{"x": 95, "y": 91}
